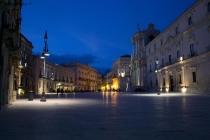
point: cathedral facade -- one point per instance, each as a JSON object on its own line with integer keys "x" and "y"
{"x": 177, "y": 59}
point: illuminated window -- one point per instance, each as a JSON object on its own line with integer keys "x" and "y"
{"x": 189, "y": 20}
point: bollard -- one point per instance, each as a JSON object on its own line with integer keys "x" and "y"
{"x": 31, "y": 95}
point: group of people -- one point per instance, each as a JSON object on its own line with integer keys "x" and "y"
{"x": 60, "y": 90}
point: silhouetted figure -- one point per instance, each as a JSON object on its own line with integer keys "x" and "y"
{"x": 58, "y": 90}
{"x": 62, "y": 91}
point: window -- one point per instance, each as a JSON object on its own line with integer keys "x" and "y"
{"x": 189, "y": 21}
{"x": 180, "y": 78}
{"x": 149, "y": 51}
{"x": 209, "y": 7}
{"x": 154, "y": 46}
{"x": 177, "y": 30}
{"x": 163, "y": 61}
{"x": 169, "y": 58}
{"x": 194, "y": 76}
{"x": 178, "y": 54}
{"x": 150, "y": 68}
{"x": 161, "y": 41}
{"x": 39, "y": 84}
{"x": 164, "y": 81}
{"x": 192, "y": 50}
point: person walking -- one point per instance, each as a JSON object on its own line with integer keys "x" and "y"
{"x": 58, "y": 90}
{"x": 62, "y": 91}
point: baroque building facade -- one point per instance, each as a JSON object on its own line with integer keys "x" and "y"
{"x": 119, "y": 77}
{"x": 56, "y": 77}
{"x": 121, "y": 73}
{"x": 23, "y": 73}
{"x": 178, "y": 59}
{"x": 85, "y": 76}
{"x": 139, "y": 57}
{"x": 10, "y": 17}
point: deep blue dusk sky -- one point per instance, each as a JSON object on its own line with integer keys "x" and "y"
{"x": 94, "y": 31}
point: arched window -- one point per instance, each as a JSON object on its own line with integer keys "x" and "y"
{"x": 208, "y": 7}
{"x": 189, "y": 20}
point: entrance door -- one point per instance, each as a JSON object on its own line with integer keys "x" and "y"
{"x": 171, "y": 84}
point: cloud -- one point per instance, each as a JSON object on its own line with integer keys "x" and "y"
{"x": 65, "y": 58}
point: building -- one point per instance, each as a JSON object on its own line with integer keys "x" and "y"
{"x": 121, "y": 73}
{"x": 178, "y": 59}
{"x": 85, "y": 76}
{"x": 23, "y": 73}
{"x": 10, "y": 17}
{"x": 119, "y": 78}
{"x": 139, "y": 57}
{"x": 56, "y": 76}
{"x": 99, "y": 82}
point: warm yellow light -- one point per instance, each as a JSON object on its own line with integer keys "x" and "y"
{"x": 167, "y": 89}
{"x": 181, "y": 58}
{"x": 115, "y": 83}
{"x": 184, "y": 89}
{"x": 19, "y": 91}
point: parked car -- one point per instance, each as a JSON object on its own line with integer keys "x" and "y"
{"x": 140, "y": 90}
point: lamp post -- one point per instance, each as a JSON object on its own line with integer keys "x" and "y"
{"x": 44, "y": 55}
{"x": 51, "y": 87}
{"x": 157, "y": 71}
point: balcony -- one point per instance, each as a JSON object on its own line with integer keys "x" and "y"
{"x": 169, "y": 63}
{"x": 192, "y": 54}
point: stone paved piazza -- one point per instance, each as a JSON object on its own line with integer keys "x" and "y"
{"x": 108, "y": 116}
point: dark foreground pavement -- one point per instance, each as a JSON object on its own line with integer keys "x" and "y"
{"x": 108, "y": 116}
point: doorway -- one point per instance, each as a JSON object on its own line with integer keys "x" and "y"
{"x": 171, "y": 88}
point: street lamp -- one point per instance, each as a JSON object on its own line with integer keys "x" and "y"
{"x": 157, "y": 71}
{"x": 44, "y": 55}
{"x": 121, "y": 73}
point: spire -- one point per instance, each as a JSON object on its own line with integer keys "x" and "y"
{"x": 45, "y": 36}
{"x": 45, "y": 43}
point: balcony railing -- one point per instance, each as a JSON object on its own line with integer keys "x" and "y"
{"x": 192, "y": 54}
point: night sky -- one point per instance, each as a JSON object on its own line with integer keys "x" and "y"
{"x": 93, "y": 31}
